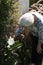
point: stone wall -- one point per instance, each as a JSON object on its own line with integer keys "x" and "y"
{"x": 24, "y": 5}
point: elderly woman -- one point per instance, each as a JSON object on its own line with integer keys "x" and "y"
{"x": 34, "y": 22}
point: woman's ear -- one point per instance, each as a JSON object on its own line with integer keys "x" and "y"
{"x": 35, "y": 18}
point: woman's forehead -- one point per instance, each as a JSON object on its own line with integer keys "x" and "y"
{"x": 22, "y": 27}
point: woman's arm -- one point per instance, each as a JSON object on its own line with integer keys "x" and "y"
{"x": 40, "y": 35}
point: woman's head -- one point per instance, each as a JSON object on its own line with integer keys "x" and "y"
{"x": 26, "y": 20}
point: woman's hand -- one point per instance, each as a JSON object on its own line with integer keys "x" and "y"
{"x": 39, "y": 48}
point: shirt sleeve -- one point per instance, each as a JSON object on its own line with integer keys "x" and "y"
{"x": 40, "y": 30}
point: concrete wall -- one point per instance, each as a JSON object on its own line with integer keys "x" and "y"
{"x": 24, "y": 5}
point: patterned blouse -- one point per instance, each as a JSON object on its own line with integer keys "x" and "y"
{"x": 38, "y": 27}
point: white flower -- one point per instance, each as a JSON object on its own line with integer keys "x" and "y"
{"x": 11, "y": 41}
{"x": 8, "y": 46}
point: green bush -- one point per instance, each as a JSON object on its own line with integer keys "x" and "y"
{"x": 18, "y": 53}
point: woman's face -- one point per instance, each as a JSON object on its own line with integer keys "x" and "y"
{"x": 23, "y": 31}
